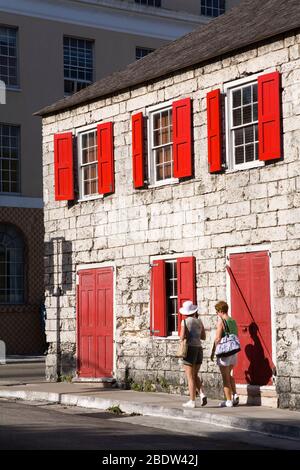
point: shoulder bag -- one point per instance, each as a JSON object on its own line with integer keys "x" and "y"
{"x": 229, "y": 344}
{"x": 183, "y": 345}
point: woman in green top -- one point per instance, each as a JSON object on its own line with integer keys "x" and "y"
{"x": 226, "y": 364}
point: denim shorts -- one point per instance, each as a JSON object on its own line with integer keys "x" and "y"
{"x": 194, "y": 356}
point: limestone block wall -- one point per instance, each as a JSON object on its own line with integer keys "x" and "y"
{"x": 201, "y": 217}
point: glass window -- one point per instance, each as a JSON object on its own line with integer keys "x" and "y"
{"x": 88, "y": 161}
{"x": 212, "y": 7}
{"x": 78, "y": 64}
{"x": 11, "y": 265}
{"x": 150, "y": 3}
{"x": 172, "y": 297}
{"x": 141, "y": 52}
{"x": 8, "y": 56}
{"x": 161, "y": 145}
{"x": 244, "y": 125}
{"x": 9, "y": 158}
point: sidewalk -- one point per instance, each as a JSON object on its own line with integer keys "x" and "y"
{"x": 270, "y": 421}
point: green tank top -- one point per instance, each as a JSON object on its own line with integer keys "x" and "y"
{"x": 232, "y": 326}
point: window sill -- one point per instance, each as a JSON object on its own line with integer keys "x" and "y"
{"x": 164, "y": 183}
{"x": 13, "y": 89}
{"x": 92, "y": 198}
{"x": 245, "y": 167}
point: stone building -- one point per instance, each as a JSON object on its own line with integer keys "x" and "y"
{"x": 178, "y": 178}
{"x": 49, "y": 50}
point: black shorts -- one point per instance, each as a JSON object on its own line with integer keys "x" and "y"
{"x": 194, "y": 356}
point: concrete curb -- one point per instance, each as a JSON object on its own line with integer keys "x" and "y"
{"x": 272, "y": 429}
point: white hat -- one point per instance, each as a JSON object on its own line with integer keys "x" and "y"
{"x": 188, "y": 308}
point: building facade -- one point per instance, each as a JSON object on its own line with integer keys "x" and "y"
{"x": 49, "y": 50}
{"x": 181, "y": 186}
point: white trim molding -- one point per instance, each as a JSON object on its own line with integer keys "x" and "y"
{"x": 112, "y": 15}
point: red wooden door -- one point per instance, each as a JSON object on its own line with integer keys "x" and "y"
{"x": 95, "y": 323}
{"x": 252, "y": 274}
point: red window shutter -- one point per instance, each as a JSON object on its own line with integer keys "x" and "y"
{"x": 186, "y": 282}
{"x": 269, "y": 116}
{"x": 105, "y": 158}
{"x": 138, "y": 150}
{"x": 63, "y": 167}
{"x": 158, "y": 308}
{"x": 214, "y": 131}
{"x": 182, "y": 138}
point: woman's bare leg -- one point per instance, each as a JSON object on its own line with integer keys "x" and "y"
{"x": 225, "y": 371}
{"x": 191, "y": 381}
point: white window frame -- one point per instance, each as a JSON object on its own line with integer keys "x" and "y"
{"x": 79, "y": 133}
{"x": 151, "y": 163}
{"x": 228, "y": 89}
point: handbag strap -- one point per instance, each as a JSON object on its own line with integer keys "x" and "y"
{"x": 226, "y": 327}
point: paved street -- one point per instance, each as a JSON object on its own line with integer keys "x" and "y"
{"x": 49, "y": 426}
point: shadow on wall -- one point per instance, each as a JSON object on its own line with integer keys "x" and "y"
{"x": 58, "y": 281}
{"x": 259, "y": 371}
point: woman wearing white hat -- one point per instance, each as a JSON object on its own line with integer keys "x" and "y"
{"x": 192, "y": 328}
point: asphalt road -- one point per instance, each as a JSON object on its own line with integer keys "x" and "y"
{"x": 47, "y": 426}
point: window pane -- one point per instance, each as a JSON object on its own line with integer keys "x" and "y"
{"x": 159, "y": 156}
{"x": 9, "y": 158}
{"x": 239, "y": 155}
{"x": 11, "y": 265}
{"x": 249, "y": 153}
{"x": 237, "y": 117}
{"x": 255, "y": 112}
{"x": 239, "y": 136}
{"x": 247, "y": 95}
{"x": 168, "y": 171}
{"x": 249, "y": 134}
{"x": 236, "y": 98}
{"x": 247, "y": 114}
{"x": 78, "y": 63}
{"x": 254, "y": 91}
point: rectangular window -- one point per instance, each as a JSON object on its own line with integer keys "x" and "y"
{"x": 9, "y": 158}
{"x": 161, "y": 143}
{"x": 8, "y": 56}
{"x": 78, "y": 64}
{"x": 149, "y": 3}
{"x": 172, "y": 298}
{"x": 212, "y": 7}
{"x": 243, "y": 126}
{"x": 88, "y": 163}
{"x": 141, "y": 52}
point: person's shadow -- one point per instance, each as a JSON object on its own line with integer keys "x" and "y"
{"x": 259, "y": 371}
